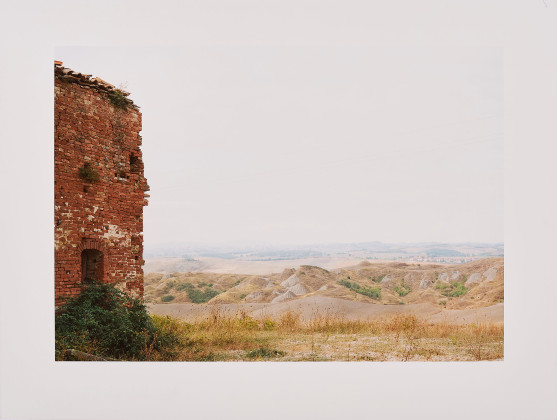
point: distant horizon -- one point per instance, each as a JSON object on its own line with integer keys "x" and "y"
{"x": 292, "y": 251}
{"x": 306, "y": 244}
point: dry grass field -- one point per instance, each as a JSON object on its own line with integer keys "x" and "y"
{"x": 375, "y": 312}
{"x": 402, "y": 337}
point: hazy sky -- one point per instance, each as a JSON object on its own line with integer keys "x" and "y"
{"x": 299, "y": 145}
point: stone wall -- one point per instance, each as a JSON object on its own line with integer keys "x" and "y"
{"x": 99, "y": 185}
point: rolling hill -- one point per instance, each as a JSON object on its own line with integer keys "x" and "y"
{"x": 464, "y": 286}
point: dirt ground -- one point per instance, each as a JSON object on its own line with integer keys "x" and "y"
{"x": 314, "y": 306}
{"x": 328, "y": 329}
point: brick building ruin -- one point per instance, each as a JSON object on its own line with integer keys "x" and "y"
{"x": 99, "y": 185}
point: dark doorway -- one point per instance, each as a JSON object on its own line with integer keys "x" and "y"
{"x": 92, "y": 264}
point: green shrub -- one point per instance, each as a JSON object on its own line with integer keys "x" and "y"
{"x": 263, "y": 352}
{"x": 118, "y": 99}
{"x": 197, "y": 295}
{"x": 169, "y": 285}
{"x": 373, "y": 292}
{"x": 403, "y": 290}
{"x": 453, "y": 289}
{"x": 183, "y": 286}
{"x": 167, "y": 298}
{"x": 107, "y": 322}
{"x": 345, "y": 283}
{"x": 202, "y": 296}
{"x": 169, "y": 336}
{"x": 458, "y": 289}
{"x": 88, "y": 173}
{"x": 378, "y": 279}
{"x": 269, "y": 325}
{"x": 309, "y": 267}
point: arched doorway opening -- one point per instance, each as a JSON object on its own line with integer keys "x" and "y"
{"x": 92, "y": 264}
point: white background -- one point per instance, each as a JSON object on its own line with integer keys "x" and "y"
{"x": 33, "y": 386}
{"x": 303, "y": 144}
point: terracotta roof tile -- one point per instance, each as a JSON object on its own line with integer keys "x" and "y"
{"x": 95, "y": 83}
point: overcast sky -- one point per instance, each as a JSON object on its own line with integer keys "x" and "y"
{"x": 300, "y": 145}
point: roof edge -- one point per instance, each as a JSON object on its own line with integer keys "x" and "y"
{"x": 96, "y": 83}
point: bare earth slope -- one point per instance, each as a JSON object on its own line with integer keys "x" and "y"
{"x": 314, "y": 307}
{"x": 470, "y": 292}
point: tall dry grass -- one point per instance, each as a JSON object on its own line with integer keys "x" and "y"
{"x": 223, "y": 336}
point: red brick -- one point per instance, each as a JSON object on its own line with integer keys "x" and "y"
{"x": 88, "y": 128}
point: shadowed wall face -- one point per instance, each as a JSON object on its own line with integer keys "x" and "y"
{"x": 99, "y": 185}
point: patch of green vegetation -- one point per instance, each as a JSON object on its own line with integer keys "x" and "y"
{"x": 197, "y": 295}
{"x": 378, "y": 279}
{"x": 264, "y": 353}
{"x": 458, "y": 289}
{"x": 118, "y": 99}
{"x": 314, "y": 266}
{"x": 107, "y": 322}
{"x": 167, "y": 298}
{"x": 88, "y": 173}
{"x": 442, "y": 286}
{"x": 269, "y": 325}
{"x": 242, "y": 296}
{"x": 212, "y": 357}
{"x": 403, "y": 290}
{"x": 183, "y": 286}
{"x": 452, "y": 289}
{"x": 169, "y": 285}
{"x": 373, "y": 292}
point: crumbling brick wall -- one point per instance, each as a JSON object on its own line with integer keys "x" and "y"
{"x": 99, "y": 185}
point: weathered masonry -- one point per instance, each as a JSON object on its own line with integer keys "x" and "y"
{"x": 99, "y": 187}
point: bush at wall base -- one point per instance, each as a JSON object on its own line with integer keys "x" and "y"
{"x": 106, "y": 322}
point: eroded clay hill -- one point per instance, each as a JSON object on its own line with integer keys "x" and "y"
{"x": 476, "y": 284}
